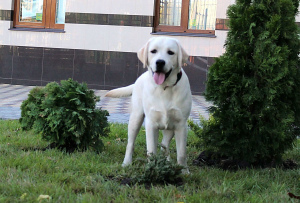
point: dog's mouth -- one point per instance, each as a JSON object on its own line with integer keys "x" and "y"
{"x": 160, "y": 77}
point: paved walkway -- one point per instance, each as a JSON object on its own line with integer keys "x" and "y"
{"x": 11, "y": 97}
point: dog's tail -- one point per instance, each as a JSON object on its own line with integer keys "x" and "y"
{"x": 120, "y": 92}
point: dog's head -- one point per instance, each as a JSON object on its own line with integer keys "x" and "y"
{"x": 163, "y": 56}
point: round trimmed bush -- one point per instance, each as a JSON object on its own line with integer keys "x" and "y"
{"x": 65, "y": 115}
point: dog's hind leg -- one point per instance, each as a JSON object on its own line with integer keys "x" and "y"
{"x": 135, "y": 122}
{"x": 168, "y": 135}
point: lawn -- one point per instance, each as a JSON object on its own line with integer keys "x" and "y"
{"x": 27, "y": 171}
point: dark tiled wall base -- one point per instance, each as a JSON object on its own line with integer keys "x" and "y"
{"x": 196, "y": 70}
{"x": 99, "y": 69}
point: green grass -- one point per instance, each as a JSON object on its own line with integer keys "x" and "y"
{"x": 27, "y": 173}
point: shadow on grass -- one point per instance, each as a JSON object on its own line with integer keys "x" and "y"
{"x": 67, "y": 149}
{"x": 226, "y": 163}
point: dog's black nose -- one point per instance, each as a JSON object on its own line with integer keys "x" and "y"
{"x": 160, "y": 65}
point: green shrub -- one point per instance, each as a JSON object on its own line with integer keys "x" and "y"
{"x": 32, "y": 107}
{"x": 156, "y": 170}
{"x": 65, "y": 115}
{"x": 208, "y": 140}
{"x": 254, "y": 86}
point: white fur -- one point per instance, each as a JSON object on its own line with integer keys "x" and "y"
{"x": 164, "y": 107}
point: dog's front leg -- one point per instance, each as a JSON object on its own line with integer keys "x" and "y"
{"x": 134, "y": 125}
{"x": 151, "y": 137}
{"x": 168, "y": 135}
{"x": 181, "y": 142}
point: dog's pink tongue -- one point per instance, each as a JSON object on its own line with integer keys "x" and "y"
{"x": 159, "y": 78}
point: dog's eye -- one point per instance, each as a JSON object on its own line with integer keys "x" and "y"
{"x": 170, "y": 52}
{"x": 153, "y": 51}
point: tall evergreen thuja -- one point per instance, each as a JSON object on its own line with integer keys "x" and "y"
{"x": 255, "y": 85}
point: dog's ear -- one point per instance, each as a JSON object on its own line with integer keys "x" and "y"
{"x": 143, "y": 54}
{"x": 182, "y": 55}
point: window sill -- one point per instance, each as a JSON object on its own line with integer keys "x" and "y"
{"x": 184, "y": 34}
{"x": 37, "y": 30}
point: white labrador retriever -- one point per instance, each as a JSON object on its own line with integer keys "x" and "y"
{"x": 162, "y": 96}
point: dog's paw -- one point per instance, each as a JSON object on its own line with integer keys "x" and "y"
{"x": 185, "y": 171}
{"x": 125, "y": 164}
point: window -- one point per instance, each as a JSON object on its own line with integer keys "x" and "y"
{"x": 191, "y": 16}
{"x": 40, "y": 14}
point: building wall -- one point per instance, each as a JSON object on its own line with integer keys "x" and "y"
{"x": 98, "y": 46}
{"x": 87, "y": 32}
